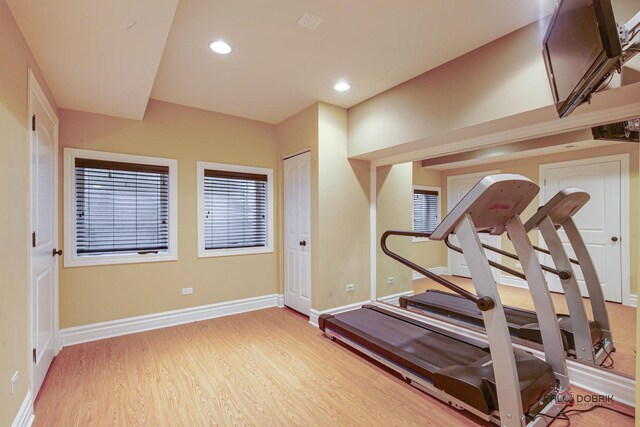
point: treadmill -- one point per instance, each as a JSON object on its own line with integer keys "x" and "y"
{"x": 584, "y": 340}
{"x": 460, "y": 371}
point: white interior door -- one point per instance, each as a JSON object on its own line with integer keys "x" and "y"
{"x": 44, "y": 238}
{"x": 599, "y": 220}
{"x": 457, "y": 187}
{"x": 297, "y": 233}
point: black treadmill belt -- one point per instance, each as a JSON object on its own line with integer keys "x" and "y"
{"x": 404, "y": 342}
{"x": 456, "y": 366}
{"x": 451, "y": 304}
{"x": 522, "y": 323}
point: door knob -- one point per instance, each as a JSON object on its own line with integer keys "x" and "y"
{"x": 57, "y": 252}
{"x": 614, "y": 239}
{"x": 303, "y": 243}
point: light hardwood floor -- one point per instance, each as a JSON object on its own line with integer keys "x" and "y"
{"x": 622, "y": 318}
{"x": 268, "y": 367}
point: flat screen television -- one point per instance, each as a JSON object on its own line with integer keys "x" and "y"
{"x": 581, "y": 49}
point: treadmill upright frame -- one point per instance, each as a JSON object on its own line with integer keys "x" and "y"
{"x": 559, "y": 212}
{"x": 492, "y": 206}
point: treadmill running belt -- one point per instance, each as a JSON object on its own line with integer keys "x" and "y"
{"x": 460, "y": 368}
{"x": 522, "y": 323}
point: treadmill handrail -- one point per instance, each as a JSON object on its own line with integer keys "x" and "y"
{"x": 483, "y": 303}
{"x": 563, "y": 274}
{"x": 545, "y": 251}
{"x": 491, "y": 263}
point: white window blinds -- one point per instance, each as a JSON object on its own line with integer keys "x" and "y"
{"x": 235, "y": 210}
{"x": 425, "y": 210}
{"x": 121, "y": 207}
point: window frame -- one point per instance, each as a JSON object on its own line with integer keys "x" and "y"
{"x": 208, "y": 253}
{"x": 71, "y": 258}
{"x": 438, "y": 204}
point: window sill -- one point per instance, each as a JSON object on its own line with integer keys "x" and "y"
{"x": 212, "y": 253}
{"x": 91, "y": 261}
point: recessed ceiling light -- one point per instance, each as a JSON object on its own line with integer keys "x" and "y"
{"x": 342, "y": 86}
{"x": 220, "y": 47}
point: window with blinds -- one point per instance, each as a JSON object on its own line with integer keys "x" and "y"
{"x": 120, "y": 208}
{"x": 425, "y": 210}
{"x": 235, "y": 210}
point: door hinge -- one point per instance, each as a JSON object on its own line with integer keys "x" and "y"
{"x": 33, "y": 123}
{"x": 33, "y": 239}
{"x": 34, "y": 355}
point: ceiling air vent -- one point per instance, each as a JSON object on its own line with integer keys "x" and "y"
{"x": 628, "y": 131}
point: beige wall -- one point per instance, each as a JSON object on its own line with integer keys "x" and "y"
{"x": 14, "y": 225}
{"x": 429, "y": 253}
{"x": 343, "y": 218}
{"x": 394, "y": 205}
{"x": 530, "y": 168}
{"x": 102, "y": 293}
{"x": 500, "y": 79}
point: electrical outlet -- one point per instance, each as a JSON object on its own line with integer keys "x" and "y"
{"x": 14, "y": 382}
{"x": 187, "y": 291}
{"x": 350, "y": 287}
{"x": 391, "y": 280}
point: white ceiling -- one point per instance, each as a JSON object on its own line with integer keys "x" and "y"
{"x": 103, "y": 56}
{"x": 99, "y": 56}
{"x": 279, "y": 67}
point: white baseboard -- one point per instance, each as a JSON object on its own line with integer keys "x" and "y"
{"x": 435, "y": 270}
{"x": 590, "y": 378}
{"x": 281, "y": 300}
{"x": 315, "y": 314}
{"x": 25, "y": 415}
{"x": 633, "y": 300}
{"x": 395, "y": 298}
{"x": 131, "y": 325}
{"x": 505, "y": 279}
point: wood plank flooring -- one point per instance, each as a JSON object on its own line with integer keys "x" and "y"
{"x": 268, "y": 367}
{"x": 621, "y": 317}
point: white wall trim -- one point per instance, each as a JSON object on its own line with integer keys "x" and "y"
{"x": 131, "y": 325}
{"x": 204, "y": 253}
{"x": 625, "y": 261}
{"x": 25, "y": 415}
{"x": 71, "y": 259}
{"x": 633, "y": 300}
{"x": 596, "y": 380}
{"x": 394, "y": 299}
{"x": 280, "y": 300}
{"x": 508, "y": 280}
{"x": 315, "y": 314}
{"x": 373, "y": 234}
{"x": 435, "y": 270}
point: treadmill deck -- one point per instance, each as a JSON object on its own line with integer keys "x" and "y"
{"x": 522, "y": 323}
{"x": 460, "y": 367}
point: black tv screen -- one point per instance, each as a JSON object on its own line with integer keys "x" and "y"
{"x": 581, "y": 48}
